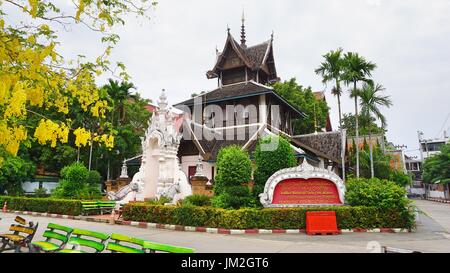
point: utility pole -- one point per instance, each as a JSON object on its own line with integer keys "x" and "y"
{"x": 419, "y": 135}
{"x": 90, "y": 155}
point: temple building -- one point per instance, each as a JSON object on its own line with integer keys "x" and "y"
{"x": 244, "y": 108}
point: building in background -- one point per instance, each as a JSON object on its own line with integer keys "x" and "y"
{"x": 429, "y": 148}
{"x": 414, "y": 168}
{"x": 244, "y": 74}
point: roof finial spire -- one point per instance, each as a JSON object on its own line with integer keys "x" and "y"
{"x": 228, "y": 29}
{"x": 243, "y": 30}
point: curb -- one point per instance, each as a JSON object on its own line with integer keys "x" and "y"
{"x": 438, "y": 200}
{"x": 204, "y": 229}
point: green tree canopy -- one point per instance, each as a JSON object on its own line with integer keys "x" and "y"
{"x": 304, "y": 100}
{"x": 13, "y": 172}
{"x": 234, "y": 171}
{"x": 269, "y": 162}
{"x": 367, "y": 124}
{"x": 437, "y": 167}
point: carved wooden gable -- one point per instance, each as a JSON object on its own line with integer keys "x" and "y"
{"x": 231, "y": 60}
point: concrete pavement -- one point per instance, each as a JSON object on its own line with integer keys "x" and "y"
{"x": 431, "y": 236}
{"x": 439, "y": 212}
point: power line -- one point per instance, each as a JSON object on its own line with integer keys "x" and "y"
{"x": 443, "y": 125}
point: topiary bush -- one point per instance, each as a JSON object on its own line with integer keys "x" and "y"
{"x": 40, "y": 193}
{"x": 234, "y": 170}
{"x": 48, "y": 205}
{"x": 77, "y": 182}
{"x": 249, "y": 218}
{"x": 376, "y": 193}
{"x": 270, "y": 161}
{"x": 94, "y": 178}
{"x": 197, "y": 200}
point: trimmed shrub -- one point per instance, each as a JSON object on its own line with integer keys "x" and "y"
{"x": 77, "y": 182}
{"x": 197, "y": 200}
{"x": 269, "y": 162}
{"x": 400, "y": 178}
{"x": 49, "y": 205}
{"x": 248, "y": 218}
{"x": 234, "y": 170}
{"x": 40, "y": 193}
{"x": 376, "y": 193}
{"x": 94, "y": 178}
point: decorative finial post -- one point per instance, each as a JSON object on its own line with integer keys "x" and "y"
{"x": 199, "y": 169}
{"x": 271, "y": 36}
{"x": 162, "y": 103}
{"x": 228, "y": 29}
{"x": 124, "y": 173}
{"x": 243, "y": 40}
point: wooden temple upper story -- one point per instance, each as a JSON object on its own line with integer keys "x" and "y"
{"x": 239, "y": 63}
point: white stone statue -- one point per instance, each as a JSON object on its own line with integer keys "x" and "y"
{"x": 160, "y": 172}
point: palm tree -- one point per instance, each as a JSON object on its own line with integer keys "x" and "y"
{"x": 331, "y": 70}
{"x": 125, "y": 88}
{"x": 356, "y": 69}
{"x": 371, "y": 101}
{"x": 119, "y": 93}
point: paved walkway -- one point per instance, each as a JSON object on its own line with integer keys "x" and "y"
{"x": 439, "y": 212}
{"x": 431, "y": 236}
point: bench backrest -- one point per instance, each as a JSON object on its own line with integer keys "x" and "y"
{"x": 89, "y": 204}
{"x": 125, "y": 244}
{"x": 29, "y": 231}
{"x": 20, "y": 220}
{"x": 154, "y": 247}
{"x": 106, "y": 204}
{"x": 57, "y": 232}
{"x": 21, "y": 229}
{"x": 89, "y": 239}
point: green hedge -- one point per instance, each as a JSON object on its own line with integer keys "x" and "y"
{"x": 49, "y": 205}
{"x": 288, "y": 218}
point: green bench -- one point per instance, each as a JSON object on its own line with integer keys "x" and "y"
{"x": 125, "y": 244}
{"x": 153, "y": 247}
{"x": 106, "y": 206}
{"x": 98, "y": 206}
{"x": 81, "y": 239}
{"x": 56, "y": 238}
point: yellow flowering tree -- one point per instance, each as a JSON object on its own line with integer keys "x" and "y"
{"x": 36, "y": 80}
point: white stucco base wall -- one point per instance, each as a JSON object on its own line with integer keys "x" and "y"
{"x": 436, "y": 194}
{"x": 416, "y": 191}
{"x": 30, "y": 187}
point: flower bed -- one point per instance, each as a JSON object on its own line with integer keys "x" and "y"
{"x": 48, "y": 205}
{"x": 289, "y": 218}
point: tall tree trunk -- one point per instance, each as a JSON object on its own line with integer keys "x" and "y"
{"x": 339, "y": 107}
{"x": 338, "y": 87}
{"x": 372, "y": 172}
{"x": 356, "y": 130}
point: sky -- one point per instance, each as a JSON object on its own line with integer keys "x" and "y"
{"x": 408, "y": 40}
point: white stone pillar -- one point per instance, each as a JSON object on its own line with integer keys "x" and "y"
{"x": 262, "y": 109}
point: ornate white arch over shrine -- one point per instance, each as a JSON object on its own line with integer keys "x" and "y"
{"x": 305, "y": 173}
